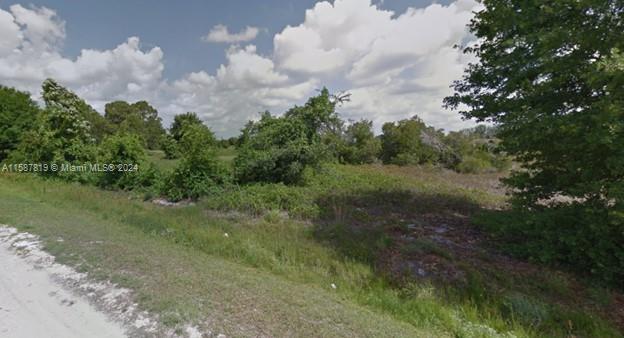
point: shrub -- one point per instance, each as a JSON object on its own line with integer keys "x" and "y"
{"x": 276, "y": 150}
{"x": 126, "y": 150}
{"x": 588, "y": 239}
{"x": 170, "y": 147}
{"x": 402, "y": 143}
{"x": 360, "y": 146}
{"x": 199, "y": 171}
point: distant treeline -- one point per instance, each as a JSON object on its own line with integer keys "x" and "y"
{"x": 273, "y": 149}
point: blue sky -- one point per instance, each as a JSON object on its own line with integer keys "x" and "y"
{"x": 350, "y": 45}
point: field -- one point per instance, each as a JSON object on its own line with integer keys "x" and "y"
{"x": 356, "y": 251}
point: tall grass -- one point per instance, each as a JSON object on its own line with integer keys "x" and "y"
{"x": 297, "y": 251}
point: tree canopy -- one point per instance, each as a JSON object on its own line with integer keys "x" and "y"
{"x": 549, "y": 76}
{"x": 541, "y": 78}
{"x": 18, "y": 113}
{"x": 138, "y": 118}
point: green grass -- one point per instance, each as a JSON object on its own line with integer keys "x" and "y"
{"x": 157, "y": 157}
{"x": 272, "y": 274}
{"x": 226, "y": 154}
{"x": 165, "y": 165}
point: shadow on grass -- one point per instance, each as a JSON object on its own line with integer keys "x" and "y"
{"x": 361, "y": 225}
{"x": 408, "y": 236}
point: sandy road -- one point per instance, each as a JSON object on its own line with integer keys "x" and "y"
{"x": 32, "y": 304}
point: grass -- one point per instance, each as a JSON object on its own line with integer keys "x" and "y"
{"x": 157, "y": 157}
{"x": 272, "y": 274}
{"x": 165, "y": 165}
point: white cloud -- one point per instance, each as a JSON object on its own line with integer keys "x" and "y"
{"x": 33, "y": 54}
{"x": 10, "y": 34}
{"x": 247, "y": 84}
{"x": 220, "y": 33}
{"x": 395, "y": 65}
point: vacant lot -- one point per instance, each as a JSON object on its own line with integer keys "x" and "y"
{"x": 357, "y": 251}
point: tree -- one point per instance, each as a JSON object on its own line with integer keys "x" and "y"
{"x": 318, "y": 114}
{"x": 199, "y": 170}
{"x": 58, "y": 97}
{"x": 276, "y": 149}
{"x": 181, "y": 121}
{"x": 61, "y": 134}
{"x": 361, "y": 145}
{"x": 402, "y": 143}
{"x": 547, "y": 77}
{"x": 138, "y": 118}
{"x": 18, "y": 114}
{"x": 122, "y": 149}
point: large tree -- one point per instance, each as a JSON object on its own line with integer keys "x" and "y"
{"x": 138, "y": 118}
{"x": 62, "y": 133}
{"x": 58, "y": 97}
{"x": 17, "y": 116}
{"x": 548, "y": 76}
{"x": 540, "y": 78}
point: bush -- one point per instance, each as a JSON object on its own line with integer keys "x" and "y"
{"x": 170, "y": 147}
{"x": 473, "y": 165}
{"x": 199, "y": 171}
{"x": 126, "y": 150}
{"x": 360, "y": 146}
{"x": 276, "y": 150}
{"x": 583, "y": 237}
{"x": 476, "y": 150}
{"x": 402, "y": 143}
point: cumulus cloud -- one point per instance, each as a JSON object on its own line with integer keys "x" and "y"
{"x": 394, "y": 64}
{"x": 247, "y": 84}
{"x": 220, "y": 33}
{"x": 31, "y": 53}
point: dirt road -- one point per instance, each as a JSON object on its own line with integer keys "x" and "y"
{"x": 33, "y": 304}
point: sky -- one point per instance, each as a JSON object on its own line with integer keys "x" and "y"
{"x": 229, "y": 60}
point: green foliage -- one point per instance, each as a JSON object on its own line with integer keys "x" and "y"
{"x": 276, "y": 149}
{"x": 476, "y": 151}
{"x": 557, "y": 100}
{"x": 126, "y": 153}
{"x": 587, "y": 238}
{"x": 58, "y": 97}
{"x": 61, "y": 136}
{"x": 361, "y": 146}
{"x": 18, "y": 114}
{"x": 199, "y": 171}
{"x": 318, "y": 115}
{"x": 170, "y": 146}
{"x": 180, "y": 122}
{"x": 170, "y": 143}
{"x": 402, "y": 143}
{"x": 549, "y": 75}
{"x": 281, "y": 149}
{"x": 138, "y": 118}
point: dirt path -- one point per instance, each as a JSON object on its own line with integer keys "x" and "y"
{"x": 33, "y": 304}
